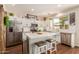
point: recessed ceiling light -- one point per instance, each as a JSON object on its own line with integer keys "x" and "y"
{"x": 32, "y": 9}
{"x": 59, "y": 5}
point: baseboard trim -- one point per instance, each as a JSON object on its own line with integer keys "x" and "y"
{"x": 77, "y": 45}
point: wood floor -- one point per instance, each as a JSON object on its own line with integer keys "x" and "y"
{"x": 61, "y": 49}
{"x": 14, "y": 50}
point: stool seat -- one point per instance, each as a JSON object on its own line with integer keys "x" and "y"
{"x": 40, "y": 47}
{"x": 49, "y": 40}
{"x": 41, "y": 43}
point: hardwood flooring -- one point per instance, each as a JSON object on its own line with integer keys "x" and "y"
{"x": 14, "y": 50}
{"x": 61, "y": 49}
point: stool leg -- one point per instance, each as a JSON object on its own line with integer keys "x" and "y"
{"x": 46, "y": 49}
{"x": 50, "y": 51}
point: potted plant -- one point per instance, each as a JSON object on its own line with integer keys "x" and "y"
{"x": 6, "y": 21}
{"x": 11, "y": 14}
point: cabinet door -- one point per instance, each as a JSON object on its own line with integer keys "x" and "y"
{"x": 68, "y": 36}
{"x": 66, "y": 39}
{"x": 17, "y": 37}
{"x": 63, "y": 39}
{"x": 10, "y": 39}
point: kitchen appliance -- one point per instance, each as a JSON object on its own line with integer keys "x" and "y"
{"x": 33, "y": 27}
{"x": 13, "y": 38}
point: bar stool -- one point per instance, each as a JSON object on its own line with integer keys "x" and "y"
{"x": 40, "y": 47}
{"x": 51, "y": 46}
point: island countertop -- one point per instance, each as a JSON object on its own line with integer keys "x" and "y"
{"x": 36, "y": 37}
{"x": 39, "y": 34}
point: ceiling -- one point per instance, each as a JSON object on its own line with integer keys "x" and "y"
{"x": 37, "y": 9}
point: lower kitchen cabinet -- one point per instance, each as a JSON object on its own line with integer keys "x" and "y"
{"x": 68, "y": 39}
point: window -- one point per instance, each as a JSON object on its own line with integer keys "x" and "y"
{"x": 56, "y": 21}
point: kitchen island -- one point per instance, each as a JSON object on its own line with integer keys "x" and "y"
{"x": 36, "y": 37}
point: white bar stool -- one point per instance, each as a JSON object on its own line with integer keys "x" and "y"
{"x": 40, "y": 47}
{"x": 51, "y": 46}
